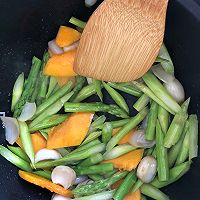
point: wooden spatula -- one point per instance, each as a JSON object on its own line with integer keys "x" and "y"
{"x": 121, "y": 39}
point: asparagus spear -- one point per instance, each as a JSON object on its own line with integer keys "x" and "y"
{"x": 49, "y": 122}
{"x": 133, "y": 122}
{"x": 98, "y": 186}
{"x": 17, "y": 90}
{"x": 160, "y": 91}
{"x": 80, "y": 155}
{"x": 151, "y": 125}
{"x": 95, "y": 169}
{"x": 29, "y": 86}
{"x": 153, "y": 192}
{"x": 95, "y": 107}
{"x": 52, "y": 99}
{"x": 161, "y": 154}
{"x": 80, "y": 80}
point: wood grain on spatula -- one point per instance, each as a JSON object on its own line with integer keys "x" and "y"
{"x": 121, "y": 39}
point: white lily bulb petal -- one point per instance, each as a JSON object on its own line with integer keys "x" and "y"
{"x": 71, "y": 47}
{"x": 54, "y": 48}
{"x": 162, "y": 74}
{"x": 137, "y": 139}
{"x": 28, "y": 111}
{"x": 90, "y": 3}
{"x": 63, "y": 175}
{"x": 176, "y": 90}
{"x": 47, "y": 154}
{"x": 147, "y": 168}
{"x": 59, "y": 197}
{"x": 11, "y": 129}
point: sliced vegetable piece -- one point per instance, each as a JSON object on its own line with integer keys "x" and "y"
{"x": 61, "y": 65}
{"x": 133, "y": 196}
{"x": 71, "y": 132}
{"x": 153, "y": 192}
{"x": 193, "y": 129}
{"x": 38, "y": 142}
{"x": 126, "y": 185}
{"x": 44, "y": 183}
{"x": 26, "y": 141}
{"x": 77, "y": 22}
{"x": 47, "y": 154}
{"x": 128, "y": 161}
{"x": 67, "y": 36}
{"x": 63, "y": 175}
{"x": 11, "y": 129}
{"x": 17, "y": 90}
{"x": 14, "y": 159}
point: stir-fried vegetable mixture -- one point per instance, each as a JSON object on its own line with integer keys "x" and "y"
{"x": 71, "y": 148}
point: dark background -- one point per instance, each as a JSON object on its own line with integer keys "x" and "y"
{"x": 25, "y": 28}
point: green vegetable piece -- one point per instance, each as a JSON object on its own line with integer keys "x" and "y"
{"x": 52, "y": 85}
{"x": 107, "y": 132}
{"x": 119, "y": 123}
{"x": 17, "y": 90}
{"x": 161, "y": 92}
{"x": 77, "y": 22}
{"x": 151, "y": 191}
{"x": 151, "y": 123}
{"x": 129, "y": 89}
{"x": 126, "y": 185}
{"x": 95, "y": 177}
{"x": 72, "y": 157}
{"x": 25, "y": 137}
{"x": 44, "y": 81}
{"x": 107, "y": 195}
{"x": 28, "y": 87}
{"x": 193, "y": 131}
{"x": 161, "y": 155}
{"x": 95, "y": 107}
{"x": 167, "y": 63}
{"x": 118, "y": 151}
{"x": 98, "y": 186}
{"x": 98, "y": 123}
{"x": 137, "y": 185}
{"x": 80, "y": 80}
{"x": 163, "y": 117}
{"x": 174, "y": 174}
{"x": 19, "y": 152}
{"x": 133, "y": 122}
{"x": 174, "y": 150}
{"x": 14, "y": 159}
{"x": 184, "y": 151}
{"x": 119, "y": 100}
{"x": 44, "y": 174}
{"x": 92, "y": 160}
{"x": 97, "y": 86}
{"x": 86, "y": 92}
{"x": 148, "y": 92}
{"x": 175, "y": 129}
{"x": 141, "y": 103}
{"x": 54, "y": 98}
{"x": 87, "y": 145}
{"x": 92, "y": 136}
{"x": 49, "y": 122}
{"x": 95, "y": 169}
{"x": 51, "y": 110}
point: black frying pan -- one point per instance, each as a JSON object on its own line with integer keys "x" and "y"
{"x": 25, "y": 28}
